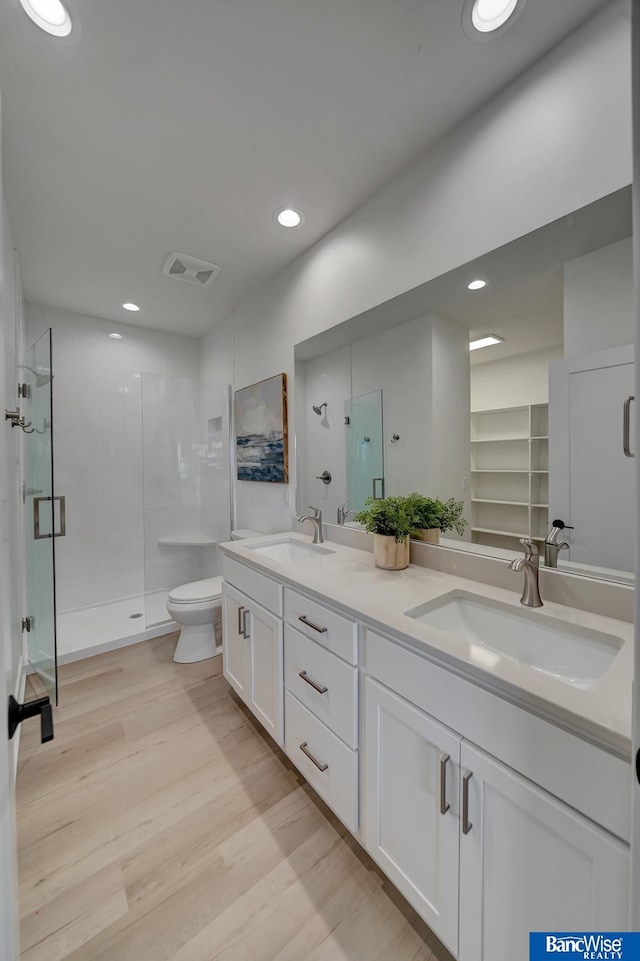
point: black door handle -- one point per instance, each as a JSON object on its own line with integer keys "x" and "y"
{"x": 20, "y": 712}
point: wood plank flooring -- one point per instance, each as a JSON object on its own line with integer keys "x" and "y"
{"x": 162, "y": 823}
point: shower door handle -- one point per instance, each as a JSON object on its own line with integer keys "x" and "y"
{"x": 377, "y": 480}
{"x": 37, "y": 536}
{"x": 626, "y": 426}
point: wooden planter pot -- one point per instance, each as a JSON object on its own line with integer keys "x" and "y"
{"x": 390, "y": 554}
{"x": 431, "y": 535}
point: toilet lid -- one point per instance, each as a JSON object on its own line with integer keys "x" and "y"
{"x": 197, "y": 591}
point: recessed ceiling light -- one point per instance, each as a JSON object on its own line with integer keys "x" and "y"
{"x": 289, "y": 217}
{"x": 49, "y": 15}
{"x": 477, "y": 284}
{"x": 482, "y": 19}
{"x": 487, "y": 341}
{"x": 115, "y": 336}
{"x": 131, "y": 307}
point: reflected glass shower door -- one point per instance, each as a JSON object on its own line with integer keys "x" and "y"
{"x": 365, "y": 459}
{"x": 40, "y": 512}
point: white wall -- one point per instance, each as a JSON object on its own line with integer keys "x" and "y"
{"x": 556, "y": 140}
{"x": 515, "y": 381}
{"x": 598, "y": 300}
{"x": 98, "y": 446}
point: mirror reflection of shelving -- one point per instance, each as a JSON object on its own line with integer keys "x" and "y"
{"x": 509, "y": 475}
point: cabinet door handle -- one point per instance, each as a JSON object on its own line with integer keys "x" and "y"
{"x": 307, "y": 752}
{"x": 240, "y": 610}
{"x": 466, "y": 823}
{"x": 245, "y": 614}
{"x": 626, "y": 426}
{"x": 316, "y": 687}
{"x": 305, "y": 620}
{"x": 444, "y": 804}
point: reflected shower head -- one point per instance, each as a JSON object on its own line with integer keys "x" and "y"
{"x": 318, "y": 410}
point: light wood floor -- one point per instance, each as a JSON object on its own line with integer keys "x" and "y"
{"x": 162, "y": 823}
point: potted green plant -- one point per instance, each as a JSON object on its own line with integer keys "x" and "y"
{"x": 431, "y": 516}
{"x": 391, "y": 521}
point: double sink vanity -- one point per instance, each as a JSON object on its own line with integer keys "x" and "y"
{"x": 479, "y": 751}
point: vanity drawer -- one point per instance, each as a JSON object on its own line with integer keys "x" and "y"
{"x": 334, "y": 631}
{"x": 262, "y": 589}
{"x": 337, "y": 783}
{"x": 307, "y": 668}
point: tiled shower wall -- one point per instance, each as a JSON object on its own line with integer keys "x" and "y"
{"x": 98, "y": 446}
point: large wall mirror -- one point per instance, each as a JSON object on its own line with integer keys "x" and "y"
{"x": 532, "y": 428}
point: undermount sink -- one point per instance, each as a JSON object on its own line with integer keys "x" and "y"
{"x": 288, "y": 549}
{"x": 576, "y": 655}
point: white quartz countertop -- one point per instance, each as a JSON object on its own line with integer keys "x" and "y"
{"x": 347, "y": 579}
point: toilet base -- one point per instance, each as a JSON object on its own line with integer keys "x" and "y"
{"x": 196, "y": 643}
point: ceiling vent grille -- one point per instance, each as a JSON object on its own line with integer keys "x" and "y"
{"x": 189, "y": 269}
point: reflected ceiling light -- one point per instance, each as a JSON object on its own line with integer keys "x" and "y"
{"x": 115, "y": 336}
{"x": 289, "y": 217}
{"x": 49, "y": 15}
{"x": 483, "y": 19}
{"x": 477, "y": 284}
{"x": 487, "y": 341}
{"x": 131, "y": 307}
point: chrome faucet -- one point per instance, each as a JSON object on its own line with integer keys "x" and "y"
{"x": 553, "y": 545}
{"x": 316, "y": 520}
{"x": 530, "y": 564}
{"x": 344, "y": 514}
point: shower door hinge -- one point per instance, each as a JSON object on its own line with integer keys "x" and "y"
{"x": 24, "y": 391}
{"x": 27, "y": 624}
{"x": 347, "y": 421}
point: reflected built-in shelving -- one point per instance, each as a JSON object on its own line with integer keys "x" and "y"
{"x": 509, "y": 475}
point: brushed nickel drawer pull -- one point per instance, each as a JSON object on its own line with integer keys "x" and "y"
{"x": 307, "y": 752}
{"x": 316, "y": 687}
{"x": 466, "y": 823}
{"x": 245, "y": 614}
{"x": 240, "y": 610}
{"x": 444, "y": 804}
{"x": 305, "y": 620}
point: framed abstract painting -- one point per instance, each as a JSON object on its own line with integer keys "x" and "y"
{"x": 261, "y": 431}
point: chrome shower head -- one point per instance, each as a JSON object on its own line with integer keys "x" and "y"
{"x": 318, "y": 410}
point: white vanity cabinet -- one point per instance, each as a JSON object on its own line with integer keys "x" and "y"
{"x": 491, "y": 819}
{"x": 321, "y": 701}
{"x": 484, "y": 854}
{"x": 412, "y": 823}
{"x": 529, "y": 862}
{"x": 252, "y": 652}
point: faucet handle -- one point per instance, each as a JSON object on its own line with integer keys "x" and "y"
{"x": 531, "y": 549}
{"x": 317, "y": 513}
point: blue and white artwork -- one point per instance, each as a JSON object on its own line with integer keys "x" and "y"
{"x": 261, "y": 431}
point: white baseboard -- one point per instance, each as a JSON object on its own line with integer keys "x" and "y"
{"x": 18, "y": 693}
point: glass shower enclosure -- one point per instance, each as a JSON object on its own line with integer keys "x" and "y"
{"x": 186, "y": 484}
{"x": 44, "y": 514}
{"x": 364, "y": 450}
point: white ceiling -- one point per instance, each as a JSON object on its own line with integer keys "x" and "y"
{"x": 164, "y": 125}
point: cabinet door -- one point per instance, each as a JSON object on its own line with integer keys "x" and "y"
{"x": 414, "y": 843}
{"x": 235, "y": 647}
{"x": 266, "y": 670}
{"x": 530, "y": 863}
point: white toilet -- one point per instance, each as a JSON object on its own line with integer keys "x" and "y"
{"x": 197, "y": 607}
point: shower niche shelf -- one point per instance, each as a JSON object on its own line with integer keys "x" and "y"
{"x": 187, "y": 540}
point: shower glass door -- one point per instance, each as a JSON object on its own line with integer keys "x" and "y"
{"x": 43, "y": 513}
{"x": 365, "y": 460}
